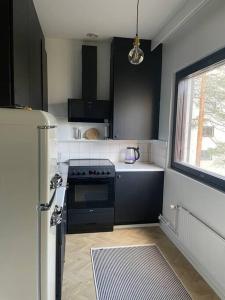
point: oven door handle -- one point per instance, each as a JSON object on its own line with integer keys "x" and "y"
{"x": 73, "y": 181}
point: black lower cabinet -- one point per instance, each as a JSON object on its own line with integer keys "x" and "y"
{"x": 60, "y": 252}
{"x": 138, "y": 197}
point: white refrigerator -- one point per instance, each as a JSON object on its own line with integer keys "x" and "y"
{"x": 28, "y": 210}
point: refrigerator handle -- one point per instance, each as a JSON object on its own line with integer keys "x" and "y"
{"x": 56, "y": 181}
{"x": 56, "y": 217}
{"x": 46, "y": 207}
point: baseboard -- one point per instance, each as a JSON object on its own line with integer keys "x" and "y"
{"x": 200, "y": 268}
{"x": 135, "y": 225}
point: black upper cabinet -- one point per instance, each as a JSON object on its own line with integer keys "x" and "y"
{"x": 135, "y": 91}
{"x": 35, "y": 55}
{"x": 21, "y": 57}
{"x": 20, "y": 31}
{"x": 44, "y": 76}
{"x": 6, "y": 78}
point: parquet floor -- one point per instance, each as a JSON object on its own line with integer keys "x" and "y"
{"x": 78, "y": 277}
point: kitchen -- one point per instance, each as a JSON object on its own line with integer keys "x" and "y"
{"x": 119, "y": 187}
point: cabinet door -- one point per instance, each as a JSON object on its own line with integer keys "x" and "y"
{"x": 6, "y": 86}
{"x": 135, "y": 91}
{"x": 138, "y": 197}
{"x": 21, "y": 51}
{"x": 44, "y": 76}
{"x": 35, "y": 58}
{"x": 23, "y": 79}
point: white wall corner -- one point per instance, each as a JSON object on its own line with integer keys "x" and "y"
{"x": 193, "y": 260}
{"x": 158, "y": 152}
{"x": 190, "y": 8}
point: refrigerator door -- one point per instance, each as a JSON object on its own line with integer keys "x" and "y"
{"x": 47, "y": 162}
{"x": 25, "y": 148}
{"x": 49, "y": 211}
{"x": 49, "y": 218}
{"x": 47, "y": 254}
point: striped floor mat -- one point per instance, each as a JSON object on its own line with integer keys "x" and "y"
{"x": 135, "y": 273}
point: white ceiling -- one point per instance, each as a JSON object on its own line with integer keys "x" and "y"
{"x": 107, "y": 18}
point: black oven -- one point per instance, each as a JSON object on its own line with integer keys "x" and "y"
{"x": 90, "y": 196}
{"x": 91, "y": 193}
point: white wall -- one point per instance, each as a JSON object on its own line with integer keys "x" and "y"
{"x": 65, "y": 72}
{"x": 204, "y": 34}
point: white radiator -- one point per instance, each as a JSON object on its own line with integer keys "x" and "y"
{"x": 204, "y": 244}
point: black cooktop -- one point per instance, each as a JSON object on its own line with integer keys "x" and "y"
{"x": 90, "y": 168}
{"x": 90, "y": 163}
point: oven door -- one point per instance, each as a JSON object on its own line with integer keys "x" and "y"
{"x": 90, "y": 193}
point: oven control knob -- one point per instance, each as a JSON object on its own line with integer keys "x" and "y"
{"x": 78, "y": 173}
{"x": 90, "y": 172}
{"x": 103, "y": 173}
{"x": 108, "y": 173}
{"x": 83, "y": 173}
{"x": 97, "y": 173}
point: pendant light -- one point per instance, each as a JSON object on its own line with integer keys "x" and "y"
{"x": 136, "y": 55}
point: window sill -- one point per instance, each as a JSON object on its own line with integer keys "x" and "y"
{"x": 203, "y": 177}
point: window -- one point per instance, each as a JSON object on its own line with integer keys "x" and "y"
{"x": 208, "y": 131}
{"x": 199, "y": 127}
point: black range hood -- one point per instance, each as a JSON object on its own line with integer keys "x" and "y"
{"x": 88, "y": 109}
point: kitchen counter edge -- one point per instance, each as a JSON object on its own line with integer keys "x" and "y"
{"x": 137, "y": 167}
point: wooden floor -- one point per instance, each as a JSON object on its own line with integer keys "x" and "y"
{"x": 78, "y": 277}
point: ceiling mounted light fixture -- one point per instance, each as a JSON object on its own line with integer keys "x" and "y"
{"x": 92, "y": 35}
{"x": 136, "y": 55}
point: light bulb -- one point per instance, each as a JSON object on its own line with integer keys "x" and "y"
{"x": 136, "y": 56}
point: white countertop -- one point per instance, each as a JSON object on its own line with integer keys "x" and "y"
{"x": 137, "y": 167}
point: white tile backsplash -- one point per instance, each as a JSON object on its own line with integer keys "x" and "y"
{"x": 69, "y": 148}
{"x": 153, "y": 151}
{"x": 158, "y": 152}
{"x": 113, "y": 150}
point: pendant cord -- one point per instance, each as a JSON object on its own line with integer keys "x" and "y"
{"x": 137, "y": 18}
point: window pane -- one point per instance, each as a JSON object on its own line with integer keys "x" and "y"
{"x": 200, "y": 126}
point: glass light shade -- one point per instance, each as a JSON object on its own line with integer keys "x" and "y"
{"x": 136, "y": 56}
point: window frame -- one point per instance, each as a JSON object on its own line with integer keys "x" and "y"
{"x": 193, "y": 172}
